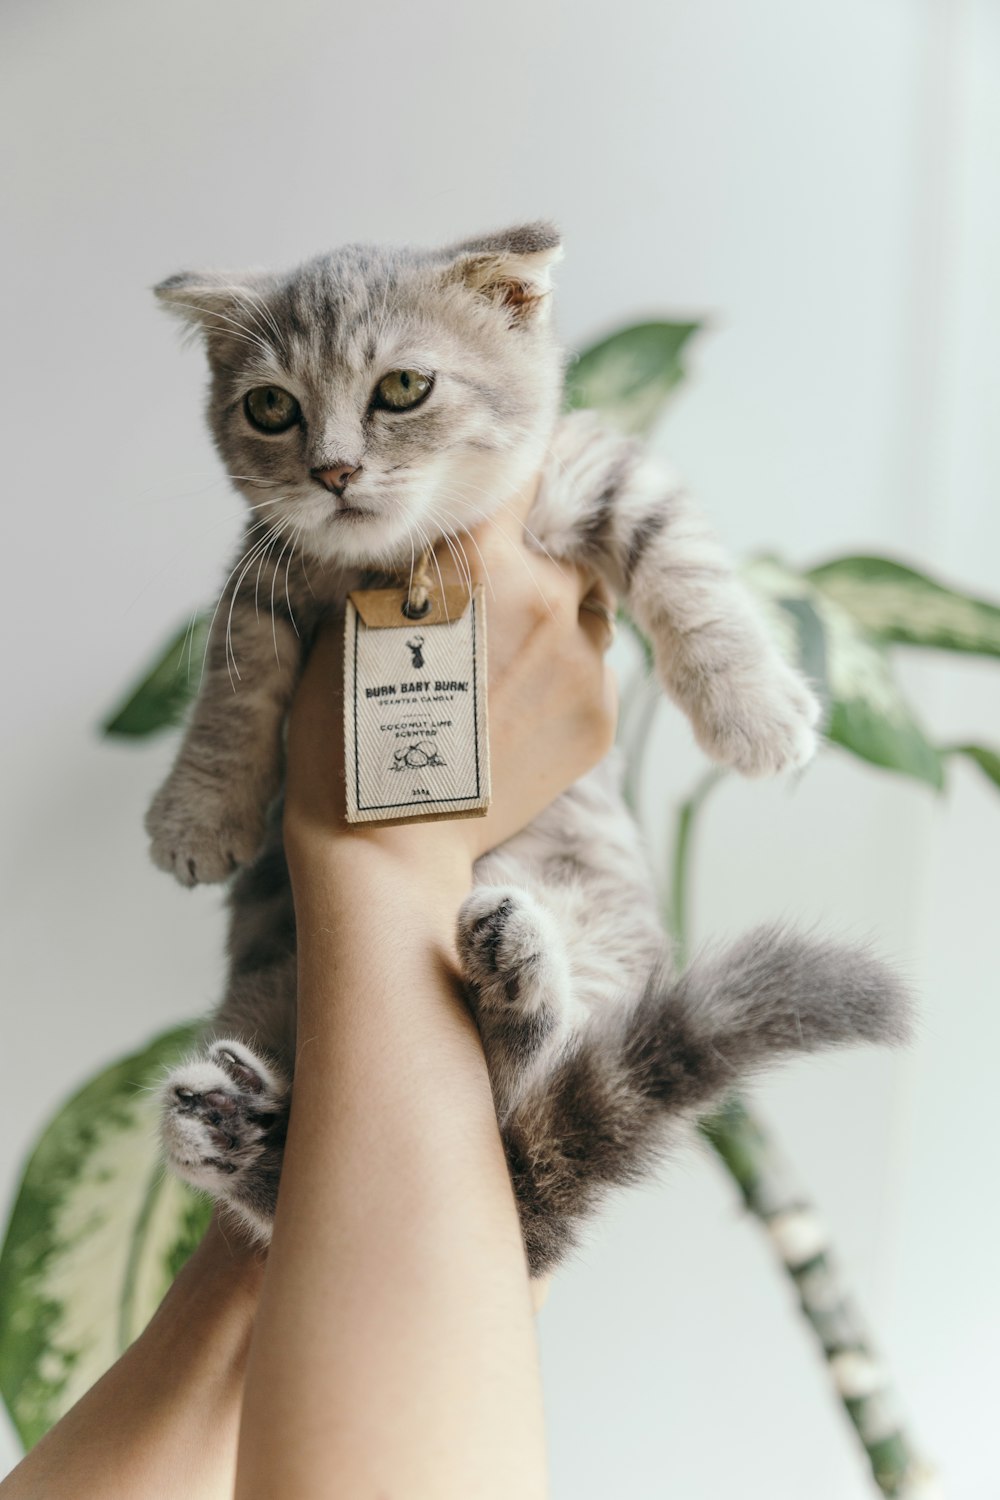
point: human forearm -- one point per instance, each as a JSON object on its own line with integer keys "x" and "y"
{"x": 394, "y": 1353}
{"x": 163, "y": 1422}
{"x": 396, "y": 1315}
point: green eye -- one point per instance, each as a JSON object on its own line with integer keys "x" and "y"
{"x": 401, "y": 389}
{"x": 270, "y": 409}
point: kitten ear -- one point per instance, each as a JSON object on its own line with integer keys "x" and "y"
{"x": 207, "y": 299}
{"x": 512, "y": 269}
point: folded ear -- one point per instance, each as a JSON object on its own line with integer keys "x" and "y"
{"x": 512, "y": 268}
{"x": 217, "y": 302}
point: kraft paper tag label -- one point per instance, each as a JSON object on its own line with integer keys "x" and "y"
{"x": 415, "y": 724}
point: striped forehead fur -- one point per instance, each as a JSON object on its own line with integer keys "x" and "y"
{"x": 473, "y": 317}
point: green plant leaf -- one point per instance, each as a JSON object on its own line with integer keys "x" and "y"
{"x": 899, "y": 604}
{"x": 629, "y": 376}
{"x": 868, "y": 711}
{"x": 986, "y": 759}
{"x": 810, "y": 644}
{"x": 96, "y": 1235}
{"x": 159, "y": 699}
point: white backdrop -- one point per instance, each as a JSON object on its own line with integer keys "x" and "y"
{"x": 821, "y": 180}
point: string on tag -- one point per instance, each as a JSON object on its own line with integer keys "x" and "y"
{"x": 418, "y": 597}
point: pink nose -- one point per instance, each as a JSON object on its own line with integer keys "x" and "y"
{"x": 336, "y": 476}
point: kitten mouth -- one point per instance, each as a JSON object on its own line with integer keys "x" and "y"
{"x": 351, "y": 513}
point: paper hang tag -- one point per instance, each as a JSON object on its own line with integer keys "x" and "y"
{"x": 415, "y": 725}
{"x": 383, "y": 608}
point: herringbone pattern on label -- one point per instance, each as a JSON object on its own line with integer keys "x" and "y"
{"x": 415, "y": 723}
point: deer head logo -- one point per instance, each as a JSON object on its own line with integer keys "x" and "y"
{"x": 415, "y": 644}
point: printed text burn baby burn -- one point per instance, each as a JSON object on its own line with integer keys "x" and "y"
{"x": 392, "y": 690}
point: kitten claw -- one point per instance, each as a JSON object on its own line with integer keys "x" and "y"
{"x": 221, "y": 1114}
{"x": 239, "y": 1070}
{"x": 520, "y": 989}
{"x": 200, "y": 839}
{"x": 501, "y": 942}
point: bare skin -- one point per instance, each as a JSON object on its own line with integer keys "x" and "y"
{"x": 419, "y": 1376}
{"x": 393, "y": 1349}
{"x": 164, "y": 1420}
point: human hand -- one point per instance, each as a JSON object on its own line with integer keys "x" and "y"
{"x": 552, "y": 703}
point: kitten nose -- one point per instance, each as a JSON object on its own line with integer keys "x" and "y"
{"x": 336, "y": 476}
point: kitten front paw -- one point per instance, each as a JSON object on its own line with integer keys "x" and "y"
{"x": 223, "y": 1128}
{"x": 200, "y": 835}
{"x": 760, "y": 728}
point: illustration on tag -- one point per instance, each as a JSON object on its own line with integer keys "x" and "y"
{"x": 416, "y": 643}
{"x": 416, "y": 739}
{"x": 417, "y": 757}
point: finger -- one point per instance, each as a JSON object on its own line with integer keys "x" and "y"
{"x": 597, "y": 620}
{"x": 593, "y": 586}
{"x": 514, "y": 568}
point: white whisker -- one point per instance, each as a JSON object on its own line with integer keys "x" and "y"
{"x": 274, "y": 578}
{"x": 189, "y": 643}
{"x": 234, "y": 331}
{"x": 258, "y": 309}
{"x": 296, "y": 534}
{"x": 265, "y": 544}
{"x": 455, "y": 538}
{"x": 461, "y": 562}
{"x": 429, "y": 546}
{"x": 524, "y": 563}
{"x": 173, "y": 556}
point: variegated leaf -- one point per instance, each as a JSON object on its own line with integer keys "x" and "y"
{"x": 868, "y": 712}
{"x": 97, "y": 1233}
{"x": 897, "y": 603}
{"x": 629, "y": 377}
{"x": 982, "y": 756}
{"x": 810, "y": 646}
{"x": 158, "y": 700}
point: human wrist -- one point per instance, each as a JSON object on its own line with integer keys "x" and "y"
{"x": 350, "y": 863}
{"x": 225, "y": 1266}
{"x": 377, "y": 920}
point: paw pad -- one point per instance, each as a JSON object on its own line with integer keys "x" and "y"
{"x": 221, "y": 1113}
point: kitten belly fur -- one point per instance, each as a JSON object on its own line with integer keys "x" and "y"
{"x": 581, "y": 862}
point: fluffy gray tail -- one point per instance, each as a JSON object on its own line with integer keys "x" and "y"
{"x": 604, "y": 1117}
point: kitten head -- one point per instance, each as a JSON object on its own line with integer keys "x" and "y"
{"x": 374, "y": 398}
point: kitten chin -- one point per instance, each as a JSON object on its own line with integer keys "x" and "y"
{"x": 456, "y": 496}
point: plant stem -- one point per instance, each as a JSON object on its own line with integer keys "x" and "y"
{"x": 641, "y": 705}
{"x": 677, "y": 904}
{"x": 772, "y": 1194}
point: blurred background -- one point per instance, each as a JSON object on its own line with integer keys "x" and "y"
{"x": 818, "y": 180}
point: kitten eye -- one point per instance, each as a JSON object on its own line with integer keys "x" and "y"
{"x": 402, "y": 389}
{"x": 270, "y": 409}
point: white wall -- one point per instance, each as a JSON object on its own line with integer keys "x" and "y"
{"x": 819, "y": 178}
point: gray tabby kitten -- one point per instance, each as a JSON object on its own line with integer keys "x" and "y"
{"x": 365, "y": 403}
